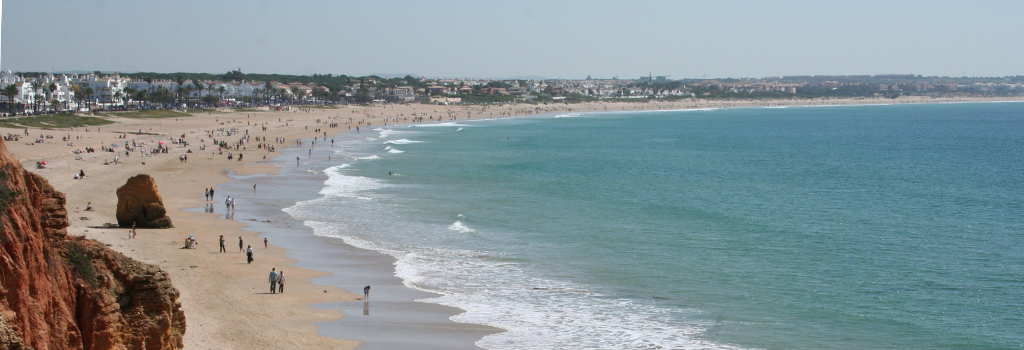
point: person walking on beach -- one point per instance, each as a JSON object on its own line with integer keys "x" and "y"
{"x": 266, "y": 241}
{"x": 273, "y": 281}
{"x": 222, "y": 249}
{"x": 366, "y": 293}
{"x": 132, "y": 233}
{"x": 239, "y": 243}
{"x": 248, "y": 254}
{"x": 280, "y": 282}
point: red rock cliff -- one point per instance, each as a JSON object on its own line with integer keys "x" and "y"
{"x": 59, "y": 292}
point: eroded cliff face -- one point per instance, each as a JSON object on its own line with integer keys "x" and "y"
{"x": 60, "y": 292}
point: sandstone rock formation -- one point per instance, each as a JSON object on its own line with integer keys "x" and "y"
{"x": 139, "y": 202}
{"x": 59, "y": 292}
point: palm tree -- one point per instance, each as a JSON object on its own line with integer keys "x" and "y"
{"x": 87, "y": 95}
{"x": 37, "y": 103}
{"x": 296, "y": 92}
{"x": 140, "y": 96}
{"x": 180, "y": 86}
{"x": 184, "y": 92}
{"x": 128, "y": 94}
{"x": 52, "y": 87}
{"x": 10, "y": 91}
{"x": 268, "y": 88}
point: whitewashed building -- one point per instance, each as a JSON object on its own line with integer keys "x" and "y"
{"x": 26, "y": 93}
{"x": 106, "y": 88}
{"x": 8, "y": 78}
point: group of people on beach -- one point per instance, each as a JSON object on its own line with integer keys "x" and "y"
{"x": 276, "y": 277}
{"x": 249, "y": 257}
{"x": 276, "y": 281}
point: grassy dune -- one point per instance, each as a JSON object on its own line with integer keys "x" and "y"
{"x": 158, "y": 113}
{"x": 56, "y": 121}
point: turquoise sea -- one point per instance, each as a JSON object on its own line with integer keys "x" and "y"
{"x": 839, "y": 227}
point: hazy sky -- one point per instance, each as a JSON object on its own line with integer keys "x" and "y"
{"x": 478, "y": 38}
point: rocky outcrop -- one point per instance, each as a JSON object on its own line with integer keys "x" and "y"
{"x": 139, "y": 203}
{"x": 59, "y": 292}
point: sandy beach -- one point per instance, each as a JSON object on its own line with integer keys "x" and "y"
{"x": 226, "y": 300}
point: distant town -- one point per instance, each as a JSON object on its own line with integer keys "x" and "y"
{"x": 31, "y": 93}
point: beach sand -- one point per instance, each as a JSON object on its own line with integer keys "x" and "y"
{"x": 225, "y": 300}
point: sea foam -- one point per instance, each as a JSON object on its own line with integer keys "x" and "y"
{"x": 339, "y": 184}
{"x": 437, "y": 125}
{"x": 385, "y": 133}
{"x": 458, "y": 226}
{"x": 401, "y": 142}
{"x": 536, "y": 312}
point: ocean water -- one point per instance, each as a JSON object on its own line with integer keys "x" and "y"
{"x": 843, "y": 227}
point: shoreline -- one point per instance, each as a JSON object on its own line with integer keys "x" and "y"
{"x": 219, "y": 314}
{"x": 393, "y": 312}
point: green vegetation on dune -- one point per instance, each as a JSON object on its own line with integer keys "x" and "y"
{"x": 55, "y": 121}
{"x": 156, "y": 113}
{"x": 200, "y": 111}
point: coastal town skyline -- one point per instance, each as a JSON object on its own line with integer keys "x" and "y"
{"x": 527, "y": 40}
{"x": 38, "y": 92}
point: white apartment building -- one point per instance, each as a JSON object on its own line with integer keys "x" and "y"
{"x": 107, "y": 88}
{"x": 26, "y": 93}
{"x": 62, "y": 93}
{"x": 8, "y": 78}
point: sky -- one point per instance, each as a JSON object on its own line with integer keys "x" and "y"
{"x": 517, "y": 39}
